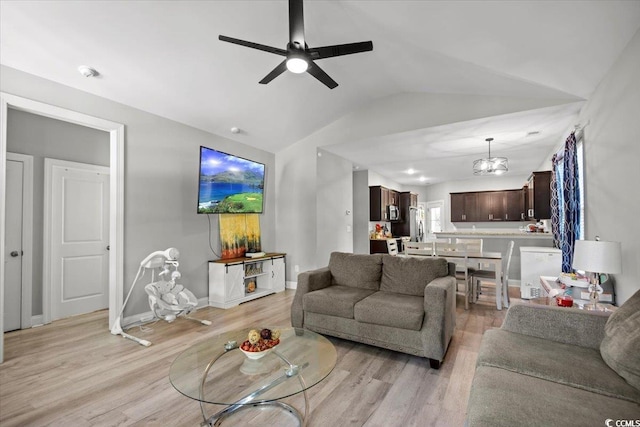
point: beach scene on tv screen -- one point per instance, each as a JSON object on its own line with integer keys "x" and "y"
{"x": 229, "y": 184}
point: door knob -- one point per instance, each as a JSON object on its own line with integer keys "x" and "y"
{"x": 14, "y": 253}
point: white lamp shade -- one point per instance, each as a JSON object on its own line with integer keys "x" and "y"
{"x": 597, "y": 256}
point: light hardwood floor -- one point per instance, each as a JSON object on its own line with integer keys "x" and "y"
{"x": 73, "y": 372}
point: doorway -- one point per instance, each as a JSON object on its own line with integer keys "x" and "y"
{"x": 76, "y": 238}
{"x": 435, "y": 217}
{"x": 116, "y": 192}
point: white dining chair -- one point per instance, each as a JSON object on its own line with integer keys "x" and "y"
{"x": 457, "y": 253}
{"x": 473, "y": 246}
{"x": 501, "y": 283}
{"x": 392, "y": 247}
{"x": 418, "y": 248}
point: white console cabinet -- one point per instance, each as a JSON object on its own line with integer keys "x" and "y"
{"x": 237, "y": 280}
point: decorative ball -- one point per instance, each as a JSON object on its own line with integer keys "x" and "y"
{"x": 254, "y": 336}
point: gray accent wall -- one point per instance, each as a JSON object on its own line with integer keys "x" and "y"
{"x": 42, "y": 137}
{"x": 160, "y": 182}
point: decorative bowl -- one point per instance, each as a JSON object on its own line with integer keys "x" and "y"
{"x": 255, "y": 355}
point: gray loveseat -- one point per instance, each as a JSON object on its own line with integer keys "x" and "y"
{"x": 552, "y": 366}
{"x": 403, "y": 304}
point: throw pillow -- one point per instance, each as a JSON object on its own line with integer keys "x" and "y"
{"x": 620, "y": 347}
{"x": 410, "y": 275}
{"x": 357, "y": 271}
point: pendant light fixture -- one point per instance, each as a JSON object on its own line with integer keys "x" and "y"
{"x": 490, "y": 165}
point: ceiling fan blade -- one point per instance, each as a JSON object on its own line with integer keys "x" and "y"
{"x": 253, "y": 45}
{"x": 281, "y": 68}
{"x": 339, "y": 50}
{"x": 296, "y": 23}
{"x": 319, "y": 74}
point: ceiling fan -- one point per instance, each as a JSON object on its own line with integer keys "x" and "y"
{"x": 299, "y": 56}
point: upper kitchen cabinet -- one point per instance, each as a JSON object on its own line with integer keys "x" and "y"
{"x": 539, "y": 195}
{"x": 464, "y": 207}
{"x": 394, "y": 197}
{"x": 379, "y": 199}
{"x": 487, "y": 206}
{"x": 490, "y": 206}
{"x": 514, "y": 205}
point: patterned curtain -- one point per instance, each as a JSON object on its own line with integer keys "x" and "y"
{"x": 556, "y": 196}
{"x": 570, "y": 207}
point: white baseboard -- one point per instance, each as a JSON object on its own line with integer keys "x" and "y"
{"x": 148, "y": 315}
{"x": 37, "y": 321}
{"x": 291, "y": 285}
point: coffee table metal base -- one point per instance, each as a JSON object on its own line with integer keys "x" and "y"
{"x": 246, "y": 402}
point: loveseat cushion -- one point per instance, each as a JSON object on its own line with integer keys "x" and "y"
{"x": 410, "y": 275}
{"x": 391, "y": 309}
{"x": 356, "y": 271}
{"x": 575, "y": 366}
{"x": 501, "y": 398}
{"x": 334, "y": 300}
{"x": 620, "y": 347}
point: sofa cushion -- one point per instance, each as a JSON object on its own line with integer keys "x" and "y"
{"x": 620, "y": 347}
{"x": 391, "y": 309}
{"x": 357, "y": 271}
{"x": 334, "y": 300}
{"x": 575, "y": 366}
{"x": 501, "y": 398}
{"x": 410, "y": 275}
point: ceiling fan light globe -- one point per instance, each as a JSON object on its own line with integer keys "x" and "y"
{"x": 297, "y": 65}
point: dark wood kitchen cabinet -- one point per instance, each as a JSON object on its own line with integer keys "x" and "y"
{"x": 514, "y": 205}
{"x": 379, "y": 198}
{"x": 464, "y": 207}
{"x": 407, "y": 200}
{"x": 539, "y": 195}
{"x": 490, "y": 206}
{"x": 487, "y": 206}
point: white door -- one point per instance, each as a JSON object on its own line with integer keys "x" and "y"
{"x": 13, "y": 247}
{"x": 76, "y": 234}
{"x": 435, "y": 218}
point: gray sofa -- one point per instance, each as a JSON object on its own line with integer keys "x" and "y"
{"x": 400, "y": 303}
{"x": 552, "y": 366}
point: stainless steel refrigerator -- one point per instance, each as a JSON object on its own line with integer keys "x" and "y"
{"x": 416, "y": 224}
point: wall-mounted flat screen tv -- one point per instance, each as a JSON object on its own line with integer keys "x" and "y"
{"x": 229, "y": 184}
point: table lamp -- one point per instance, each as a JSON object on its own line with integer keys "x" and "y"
{"x": 597, "y": 257}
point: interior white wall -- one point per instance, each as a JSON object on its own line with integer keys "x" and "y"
{"x": 42, "y": 137}
{"x": 334, "y": 201}
{"x": 361, "y": 212}
{"x": 161, "y": 181}
{"x": 612, "y": 155}
{"x": 296, "y": 207}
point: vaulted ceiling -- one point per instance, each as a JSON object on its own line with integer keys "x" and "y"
{"x": 537, "y": 60}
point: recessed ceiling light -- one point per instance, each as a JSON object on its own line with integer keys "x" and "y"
{"x": 235, "y": 130}
{"x": 411, "y": 171}
{"x": 423, "y": 179}
{"x": 88, "y": 71}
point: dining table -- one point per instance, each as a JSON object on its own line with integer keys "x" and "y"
{"x": 491, "y": 258}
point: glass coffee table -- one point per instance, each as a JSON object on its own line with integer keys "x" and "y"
{"x": 216, "y": 372}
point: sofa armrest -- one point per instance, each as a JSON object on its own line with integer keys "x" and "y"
{"x": 308, "y": 281}
{"x": 576, "y": 327}
{"x": 439, "y": 316}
